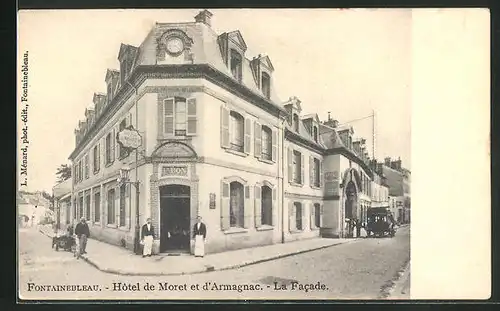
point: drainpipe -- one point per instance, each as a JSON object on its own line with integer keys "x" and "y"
{"x": 282, "y": 163}
{"x": 137, "y": 193}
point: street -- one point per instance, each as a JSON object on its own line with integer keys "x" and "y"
{"x": 357, "y": 270}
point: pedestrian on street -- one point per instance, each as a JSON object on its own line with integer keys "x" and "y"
{"x": 200, "y": 238}
{"x": 82, "y": 233}
{"x": 147, "y": 237}
{"x": 358, "y": 228}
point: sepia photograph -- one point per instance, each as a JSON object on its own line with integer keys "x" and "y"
{"x": 214, "y": 154}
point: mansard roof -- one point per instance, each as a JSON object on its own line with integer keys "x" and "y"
{"x": 237, "y": 38}
{"x": 266, "y": 61}
{"x": 111, "y": 73}
{"x": 313, "y": 116}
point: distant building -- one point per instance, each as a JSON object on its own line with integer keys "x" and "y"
{"x": 62, "y": 202}
{"x": 399, "y": 182}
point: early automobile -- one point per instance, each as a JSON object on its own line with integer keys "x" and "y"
{"x": 380, "y": 222}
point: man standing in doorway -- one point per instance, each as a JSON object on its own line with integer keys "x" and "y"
{"x": 147, "y": 236}
{"x": 200, "y": 238}
{"x": 82, "y": 233}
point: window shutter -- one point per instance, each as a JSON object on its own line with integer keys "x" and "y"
{"x": 290, "y": 165}
{"x": 321, "y": 174}
{"x": 112, "y": 145}
{"x": 274, "y": 143}
{"x": 258, "y": 139}
{"x": 248, "y": 135}
{"x": 247, "y": 209}
{"x": 304, "y": 218}
{"x": 302, "y": 169}
{"x": 291, "y": 217}
{"x": 192, "y": 119}
{"x": 117, "y": 148}
{"x": 168, "y": 117}
{"x": 321, "y": 211}
{"x": 224, "y": 127}
{"x": 224, "y": 206}
{"x": 313, "y": 215}
{"x": 311, "y": 171}
{"x": 258, "y": 206}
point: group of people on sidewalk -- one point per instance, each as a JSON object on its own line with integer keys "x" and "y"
{"x": 82, "y": 233}
{"x": 199, "y": 238}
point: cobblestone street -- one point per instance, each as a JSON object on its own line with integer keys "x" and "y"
{"x": 361, "y": 269}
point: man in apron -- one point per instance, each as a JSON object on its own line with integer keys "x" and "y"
{"x": 199, "y": 235}
{"x": 147, "y": 236}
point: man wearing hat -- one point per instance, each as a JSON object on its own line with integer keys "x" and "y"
{"x": 82, "y": 233}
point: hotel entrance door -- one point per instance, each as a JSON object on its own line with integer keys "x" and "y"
{"x": 175, "y": 218}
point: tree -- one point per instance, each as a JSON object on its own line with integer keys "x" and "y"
{"x": 63, "y": 173}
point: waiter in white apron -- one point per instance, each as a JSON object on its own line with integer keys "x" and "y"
{"x": 200, "y": 238}
{"x": 147, "y": 237}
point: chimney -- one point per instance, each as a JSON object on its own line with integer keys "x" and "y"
{"x": 398, "y": 163}
{"x": 204, "y": 17}
{"x": 387, "y": 161}
{"x": 329, "y": 117}
{"x": 331, "y": 122}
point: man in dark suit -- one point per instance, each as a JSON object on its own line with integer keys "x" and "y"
{"x": 147, "y": 236}
{"x": 83, "y": 233}
{"x": 200, "y": 238}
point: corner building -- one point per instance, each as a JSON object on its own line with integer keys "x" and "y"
{"x": 216, "y": 142}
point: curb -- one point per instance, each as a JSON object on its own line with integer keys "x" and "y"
{"x": 208, "y": 268}
{"x": 388, "y": 288}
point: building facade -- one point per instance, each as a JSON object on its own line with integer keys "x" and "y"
{"x": 62, "y": 204}
{"x": 217, "y": 142}
{"x": 399, "y": 182}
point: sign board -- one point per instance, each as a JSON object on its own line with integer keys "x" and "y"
{"x": 212, "y": 201}
{"x": 129, "y": 138}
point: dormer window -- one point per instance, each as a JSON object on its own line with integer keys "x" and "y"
{"x": 236, "y": 65}
{"x": 315, "y": 133}
{"x": 266, "y": 85}
{"x": 296, "y": 123}
{"x": 109, "y": 96}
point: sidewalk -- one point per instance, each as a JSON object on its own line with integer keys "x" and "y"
{"x": 126, "y": 263}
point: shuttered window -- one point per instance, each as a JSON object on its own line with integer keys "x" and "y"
{"x": 122, "y": 150}
{"x": 87, "y": 207}
{"x": 97, "y": 158}
{"x": 111, "y": 206}
{"x": 122, "y": 205}
{"x": 317, "y": 215}
{"x": 266, "y": 206}
{"x": 86, "y": 163}
{"x": 97, "y": 207}
{"x": 236, "y": 205}
{"x": 110, "y": 150}
{"x": 298, "y": 216}
{"x": 296, "y": 167}
{"x": 237, "y": 131}
{"x": 179, "y": 117}
{"x": 267, "y": 143}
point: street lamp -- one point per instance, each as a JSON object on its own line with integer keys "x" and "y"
{"x": 124, "y": 179}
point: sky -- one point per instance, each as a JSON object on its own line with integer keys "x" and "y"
{"x": 347, "y": 62}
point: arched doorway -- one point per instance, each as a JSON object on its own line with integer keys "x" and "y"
{"x": 350, "y": 206}
{"x": 175, "y": 204}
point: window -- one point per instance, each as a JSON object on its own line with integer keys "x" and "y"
{"x": 87, "y": 207}
{"x": 298, "y": 215}
{"x": 122, "y": 205}
{"x": 123, "y": 151}
{"x": 316, "y": 172}
{"x": 236, "y": 205}
{"x": 75, "y": 204}
{"x": 315, "y": 133}
{"x": 237, "y": 131}
{"x": 110, "y": 154}
{"x": 267, "y": 143}
{"x": 296, "y": 167}
{"x": 111, "y": 206}
{"x": 179, "y": 116}
{"x": 266, "y": 85}
{"x": 267, "y": 206}
{"x": 296, "y": 123}
{"x": 97, "y": 159}
{"x": 317, "y": 215}
{"x": 80, "y": 208}
{"x": 236, "y": 64}
{"x": 97, "y": 207}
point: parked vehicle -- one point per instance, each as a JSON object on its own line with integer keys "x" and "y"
{"x": 65, "y": 242}
{"x": 380, "y": 222}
